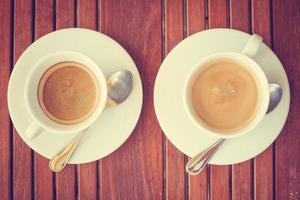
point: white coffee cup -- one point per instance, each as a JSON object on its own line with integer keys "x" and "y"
{"x": 247, "y": 61}
{"x": 40, "y": 120}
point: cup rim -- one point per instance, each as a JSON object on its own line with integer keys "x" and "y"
{"x": 264, "y": 91}
{"x": 81, "y": 125}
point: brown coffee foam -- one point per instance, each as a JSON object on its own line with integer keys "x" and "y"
{"x": 68, "y": 92}
{"x": 225, "y": 95}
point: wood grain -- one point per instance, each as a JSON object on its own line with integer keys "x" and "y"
{"x": 65, "y": 183}
{"x": 43, "y": 188}
{"x": 134, "y": 171}
{"x": 218, "y": 14}
{"x": 65, "y": 14}
{"x": 198, "y": 185}
{"x": 175, "y": 160}
{"x": 87, "y": 14}
{"x": 196, "y": 16}
{"x": 5, "y": 126}
{"x": 65, "y": 180}
{"x": 242, "y": 172}
{"x": 263, "y": 163}
{"x": 240, "y": 13}
{"x": 22, "y": 155}
{"x": 87, "y": 173}
{"x": 286, "y": 33}
{"x": 218, "y": 17}
{"x": 242, "y": 181}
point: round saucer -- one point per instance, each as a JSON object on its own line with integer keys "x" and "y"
{"x": 169, "y": 106}
{"x": 114, "y": 125}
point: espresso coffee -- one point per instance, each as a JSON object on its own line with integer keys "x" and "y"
{"x": 225, "y": 95}
{"x": 68, "y": 92}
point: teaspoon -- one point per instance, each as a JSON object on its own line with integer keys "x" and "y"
{"x": 119, "y": 86}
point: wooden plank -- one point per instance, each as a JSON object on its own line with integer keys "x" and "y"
{"x": 286, "y": 32}
{"x": 87, "y": 173}
{"x": 241, "y": 173}
{"x": 218, "y": 17}
{"x": 65, "y": 14}
{"x": 22, "y": 155}
{"x": 43, "y": 24}
{"x": 175, "y": 173}
{"x": 263, "y": 175}
{"x": 218, "y": 14}
{"x": 198, "y": 185}
{"x": 65, "y": 180}
{"x": 195, "y": 16}
{"x": 173, "y": 24}
{"x": 5, "y": 127}
{"x": 87, "y": 14}
{"x": 219, "y": 182}
{"x": 240, "y": 15}
{"x": 136, "y": 25}
{"x": 65, "y": 183}
{"x": 175, "y": 160}
{"x": 263, "y": 163}
{"x": 241, "y": 181}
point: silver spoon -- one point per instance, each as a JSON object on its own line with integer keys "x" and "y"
{"x": 119, "y": 87}
{"x": 195, "y": 165}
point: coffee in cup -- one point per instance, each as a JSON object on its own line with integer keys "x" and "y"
{"x": 68, "y": 92}
{"x": 225, "y": 95}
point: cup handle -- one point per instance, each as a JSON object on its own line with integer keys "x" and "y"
{"x": 252, "y": 45}
{"x": 33, "y": 130}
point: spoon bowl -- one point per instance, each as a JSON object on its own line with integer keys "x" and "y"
{"x": 275, "y": 96}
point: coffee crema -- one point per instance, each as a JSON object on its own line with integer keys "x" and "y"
{"x": 68, "y": 92}
{"x": 225, "y": 95}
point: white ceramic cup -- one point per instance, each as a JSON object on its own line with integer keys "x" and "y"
{"x": 40, "y": 120}
{"x": 245, "y": 58}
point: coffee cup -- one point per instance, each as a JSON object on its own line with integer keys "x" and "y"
{"x": 41, "y": 120}
{"x": 224, "y": 96}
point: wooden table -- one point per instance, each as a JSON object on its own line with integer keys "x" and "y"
{"x": 148, "y": 166}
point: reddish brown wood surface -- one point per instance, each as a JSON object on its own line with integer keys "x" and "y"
{"x": 286, "y": 35}
{"x": 218, "y": 14}
{"x": 174, "y": 160}
{"x": 263, "y": 163}
{"x": 65, "y": 180}
{"x": 196, "y": 15}
{"x": 241, "y": 173}
{"x": 43, "y": 184}
{"x": 136, "y": 25}
{"x": 5, "y": 127}
{"x": 241, "y": 181}
{"x": 218, "y": 17}
{"x": 87, "y": 173}
{"x": 22, "y": 154}
{"x": 151, "y": 167}
{"x": 196, "y": 18}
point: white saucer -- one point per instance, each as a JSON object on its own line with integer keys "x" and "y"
{"x": 168, "y": 97}
{"x": 113, "y": 126}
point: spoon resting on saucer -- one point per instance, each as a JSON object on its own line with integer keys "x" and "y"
{"x": 119, "y": 87}
{"x": 196, "y": 164}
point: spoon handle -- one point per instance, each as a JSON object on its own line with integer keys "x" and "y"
{"x": 195, "y": 165}
{"x": 60, "y": 160}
